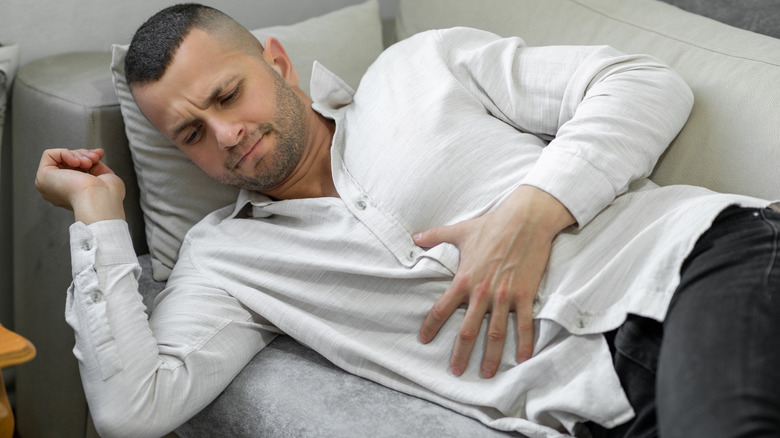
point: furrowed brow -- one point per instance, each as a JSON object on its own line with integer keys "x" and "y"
{"x": 203, "y": 105}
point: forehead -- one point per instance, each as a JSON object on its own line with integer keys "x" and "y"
{"x": 201, "y": 65}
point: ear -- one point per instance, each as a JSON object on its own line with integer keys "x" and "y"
{"x": 275, "y": 55}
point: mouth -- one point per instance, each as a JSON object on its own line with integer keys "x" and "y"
{"x": 250, "y": 151}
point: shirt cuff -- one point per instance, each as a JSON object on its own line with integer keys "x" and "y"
{"x": 574, "y": 182}
{"x": 102, "y": 243}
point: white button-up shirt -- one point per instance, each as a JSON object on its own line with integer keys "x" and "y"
{"x": 442, "y": 128}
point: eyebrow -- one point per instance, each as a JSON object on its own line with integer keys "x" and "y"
{"x": 205, "y": 104}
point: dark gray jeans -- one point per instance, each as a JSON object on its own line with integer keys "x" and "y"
{"x": 712, "y": 369}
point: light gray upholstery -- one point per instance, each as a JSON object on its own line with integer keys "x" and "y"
{"x": 63, "y": 101}
{"x": 287, "y": 390}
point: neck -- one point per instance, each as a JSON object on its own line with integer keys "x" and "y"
{"x": 313, "y": 177}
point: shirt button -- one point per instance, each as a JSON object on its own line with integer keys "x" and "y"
{"x": 411, "y": 255}
{"x": 536, "y": 306}
{"x": 361, "y": 205}
{"x": 86, "y": 245}
{"x": 581, "y": 323}
{"x": 96, "y": 297}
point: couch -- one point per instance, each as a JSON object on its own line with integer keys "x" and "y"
{"x": 731, "y": 144}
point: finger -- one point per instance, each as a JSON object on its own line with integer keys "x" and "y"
{"x": 71, "y": 159}
{"x": 436, "y": 236}
{"x": 467, "y": 336}
{"x": 525, "y": 331}
{"x": 80, "y": 158}
{"x": 100, "y": 168}
{"x": 443, "y": 308}
{"x": 496, "y": 335}
{"x": 51, "y": 158}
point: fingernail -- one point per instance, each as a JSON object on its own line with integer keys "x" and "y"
{"x": 487, "y": 373}
{"x": 417, "y": 236}
{"x": 423, "y": 339}
{"x": 455, "y": 370}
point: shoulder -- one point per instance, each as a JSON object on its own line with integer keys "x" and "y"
{"x": 449, "y": 46}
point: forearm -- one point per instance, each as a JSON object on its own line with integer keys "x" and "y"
{"x": 607, "y": 116}
{"x": 613, "y": 134}
{"x": 145, "y": 377}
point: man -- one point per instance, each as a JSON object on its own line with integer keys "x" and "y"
{"x": 445, "y": 180}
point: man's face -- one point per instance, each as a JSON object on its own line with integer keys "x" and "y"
{"x": 230, "y": 112}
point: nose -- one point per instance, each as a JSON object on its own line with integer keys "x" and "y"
{"x": 228, "y": 133}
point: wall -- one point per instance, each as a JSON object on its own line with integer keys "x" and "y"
{"x": 47, "y": 27}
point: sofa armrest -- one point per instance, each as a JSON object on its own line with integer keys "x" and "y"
{"x": 61, "y": 101}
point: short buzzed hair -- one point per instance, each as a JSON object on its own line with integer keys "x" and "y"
{"x": 155, "y": 43}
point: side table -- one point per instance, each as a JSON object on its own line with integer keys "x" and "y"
{"x": 14, "y": 350}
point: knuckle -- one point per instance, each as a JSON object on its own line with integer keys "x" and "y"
{"x": 461, "y": 281}
{"x": 502, "y": 296}
{"x": 482, "y": 291}
{"x": 496, "y": 336}
{"x": 467, "y": 335}
{"x": 437, "y": 314}
{"x": 525, "y": 324}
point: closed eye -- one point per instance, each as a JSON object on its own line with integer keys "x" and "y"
{"x": 232, "y": 96}
{"x": 193, "y": 137}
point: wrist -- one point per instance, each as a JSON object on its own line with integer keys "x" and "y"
{"x": 541, "y": 208}
{"x": 97, "y": 204}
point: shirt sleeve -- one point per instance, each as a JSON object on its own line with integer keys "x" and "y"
{"x": 144, "y": 377}
{"x": 607, "y": 116}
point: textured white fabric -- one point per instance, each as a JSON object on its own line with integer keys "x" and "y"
{"x": 442, "y": 128}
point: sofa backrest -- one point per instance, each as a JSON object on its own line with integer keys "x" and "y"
{"x": 731, "y": 141}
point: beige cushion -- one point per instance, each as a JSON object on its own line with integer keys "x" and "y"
{"x": 174, "y": 193}
{"x": 731, "y": 142}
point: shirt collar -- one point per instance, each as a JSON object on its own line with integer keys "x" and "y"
{"x": 250, "y": 204}
{"x": 329, "y": 92}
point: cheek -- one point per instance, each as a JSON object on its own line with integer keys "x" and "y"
{"x": 207, "y": 159}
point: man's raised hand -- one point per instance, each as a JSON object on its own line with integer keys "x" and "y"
{"x": 79, "y": 181}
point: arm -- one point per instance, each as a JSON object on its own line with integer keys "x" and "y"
{"x": 141, "y": 377}
{"x": 608, "y": 117}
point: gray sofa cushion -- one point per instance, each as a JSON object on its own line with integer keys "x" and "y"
{"x": 288, "y": 390}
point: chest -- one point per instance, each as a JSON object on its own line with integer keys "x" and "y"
{"x": 429, "y": 152}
